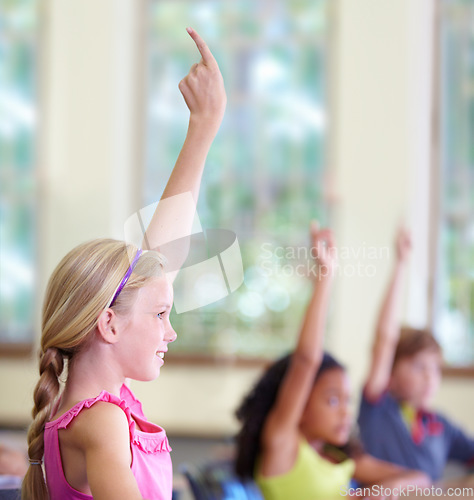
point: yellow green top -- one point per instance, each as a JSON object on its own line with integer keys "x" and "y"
{"x": 408, "y": 414}
{"x": 311, "y": 478}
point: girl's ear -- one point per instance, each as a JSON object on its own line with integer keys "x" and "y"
{"x": 107, "y": 325}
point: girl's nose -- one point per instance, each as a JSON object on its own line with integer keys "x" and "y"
{"x": 171, "y": 335}
{"x": 346, "y": 410}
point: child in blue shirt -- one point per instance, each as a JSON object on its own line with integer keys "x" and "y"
{"x": 395, "y": 421}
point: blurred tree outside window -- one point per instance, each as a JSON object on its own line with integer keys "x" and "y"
{"x": 454, "y": 293}
{"x": 266, "y": 175}
{"x": 18, "y": 46}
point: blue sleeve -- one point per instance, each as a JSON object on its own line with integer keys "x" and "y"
{"x": 365, "y": 413}
{"x": 368, "y": 408}
{"x": 371, "y": 418}
{"x": 461, "y": 446}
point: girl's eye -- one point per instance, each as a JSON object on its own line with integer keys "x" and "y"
{"x": 160, "y": 315}
{"x": 333, "y": 401}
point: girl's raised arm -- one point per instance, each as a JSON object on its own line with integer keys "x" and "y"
{"x": 387, "y": 331}
{"x": 282, "y": 425}
{"x": 204, "y": 94}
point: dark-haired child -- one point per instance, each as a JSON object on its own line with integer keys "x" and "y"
{"x": 296, "y": 422}
{"x": 395, "y": 421}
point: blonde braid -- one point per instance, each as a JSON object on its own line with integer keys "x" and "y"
{"x": 45, "y": 395}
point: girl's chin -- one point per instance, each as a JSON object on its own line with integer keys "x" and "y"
{"x": 341, "y": 439}
{"x": 149, "y": 378}
{"x": 421, "y": 402}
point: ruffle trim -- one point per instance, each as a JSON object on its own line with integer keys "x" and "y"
{"x": 70, "y": 415}
{"x": 133, "y": 403}
{"x": 149, "y": 442}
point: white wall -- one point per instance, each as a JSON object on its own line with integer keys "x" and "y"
{"x": 381, "y": 126}
{"x": 380, "y": 154}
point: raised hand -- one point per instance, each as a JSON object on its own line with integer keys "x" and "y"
{"x": 204, "y": 94}
{"x": 324, "y": 250}
{"x": 403, "y": 244}
{"x": 281, "y": 434}
{"x": 203, "y": 87}
{"x": 387, "y": 329}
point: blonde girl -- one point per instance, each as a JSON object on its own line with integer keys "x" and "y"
{"x": 106, "y": 319}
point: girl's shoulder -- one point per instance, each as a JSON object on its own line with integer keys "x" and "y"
{"x": 278, "y": 453}
{"x": 100, "y": 425}
{"x": 94, "y": 422}
{"x": 104, "y": 406}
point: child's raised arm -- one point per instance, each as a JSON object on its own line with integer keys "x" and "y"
{"x": 204, "y": 94}
{"x": 387, "y": 330}
{"x": 281, "y": 429}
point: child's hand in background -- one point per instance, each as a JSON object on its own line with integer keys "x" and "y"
{"x": 324, "y": 250}
{"x": 403, "y": 244}
{"x": 203, "y": 88}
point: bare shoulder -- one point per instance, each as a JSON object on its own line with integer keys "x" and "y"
{"x": 278, "y": 434}
{"x": 99, "y": 424}
{"x": 279, "y": 450}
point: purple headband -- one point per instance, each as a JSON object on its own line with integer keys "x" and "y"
{"x": 127, "y": 275}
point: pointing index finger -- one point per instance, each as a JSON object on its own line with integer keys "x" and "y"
{"x": 206, "y": 54}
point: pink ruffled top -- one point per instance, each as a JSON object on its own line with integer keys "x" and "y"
{"x": 151, "y": 461}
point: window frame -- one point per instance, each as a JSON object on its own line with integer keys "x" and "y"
{"x": 436, "y": 194}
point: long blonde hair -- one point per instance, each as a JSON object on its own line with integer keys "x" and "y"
{"x": 79, "y": 289}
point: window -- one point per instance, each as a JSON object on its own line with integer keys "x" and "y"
{"x": 454, "y": 316}
{"x": 17, "y": 162}
{"x": 265, "y": 175}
